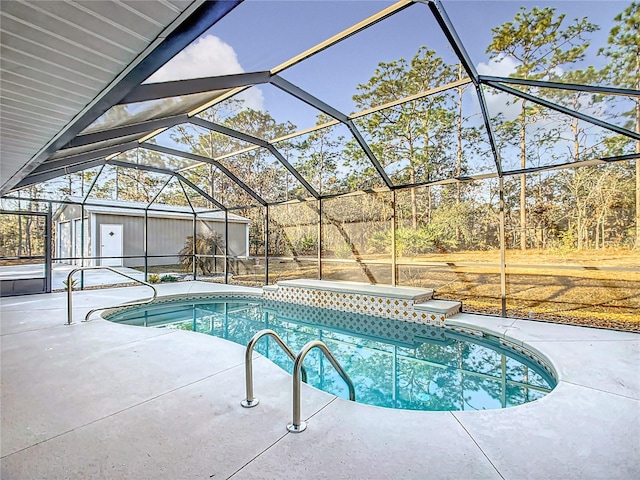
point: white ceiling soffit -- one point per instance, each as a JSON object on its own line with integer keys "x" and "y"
{"x": 58, "y": 58}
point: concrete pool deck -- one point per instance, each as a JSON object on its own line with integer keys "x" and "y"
{"x": 100, "y": 400}
{"x": 60, "y": 271}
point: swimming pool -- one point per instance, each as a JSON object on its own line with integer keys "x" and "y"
{"x": 392, "y": 363}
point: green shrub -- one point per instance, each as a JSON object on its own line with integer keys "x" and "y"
{"x": 168, "y": 278}
{"x": 414, "y": 242}
{"x": 74, "y": 283}
{"x": 343, "y": 251}
{"x": 567, "y": 242}
{"x": 379, "y": 242}
{"x": 306, "y": 245}
{"x": 429, "y": 239}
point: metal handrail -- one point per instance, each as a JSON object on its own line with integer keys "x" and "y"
{"x": 297, "y": 426}
{"x": 251, "y": 401}
{"x": 86, "y": 318}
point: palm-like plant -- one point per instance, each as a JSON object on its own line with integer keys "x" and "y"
{"x": 206, "y": 246}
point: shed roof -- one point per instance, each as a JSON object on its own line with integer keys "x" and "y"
{"x": 136, "y": 209}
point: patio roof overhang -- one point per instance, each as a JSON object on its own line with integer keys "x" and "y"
{"x": 65, "y": 64}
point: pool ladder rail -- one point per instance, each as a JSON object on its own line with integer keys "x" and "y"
{"x": 297, "y": 425}
{"x": 91, "y": 312}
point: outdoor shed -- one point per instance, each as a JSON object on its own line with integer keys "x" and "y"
{"x": 116, "y": 229}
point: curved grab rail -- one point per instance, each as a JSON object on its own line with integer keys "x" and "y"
{"x": 86, "y": 318}
{"x": 297, "y": 426}
{"x": 251, "y": 401}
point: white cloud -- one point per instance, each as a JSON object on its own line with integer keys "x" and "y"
{"x": 497, "y": 102}
{"x": 504, "y": 66}
{"x": 207, "y": 57}
{"x": 501, "y": 66}
{"x": 500, "y": 102}
{"x": 253, "y": 98}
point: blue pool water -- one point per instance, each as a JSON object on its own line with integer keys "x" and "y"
{"x": 392, "y": 363}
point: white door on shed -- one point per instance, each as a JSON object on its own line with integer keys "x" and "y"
{"x": 111, "y": 244}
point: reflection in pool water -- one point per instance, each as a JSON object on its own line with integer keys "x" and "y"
{"x": 392, "y": 364}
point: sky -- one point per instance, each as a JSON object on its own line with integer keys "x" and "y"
{"x": 260, "y": 34}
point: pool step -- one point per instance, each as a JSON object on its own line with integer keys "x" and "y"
{"x": 439, "y": 307}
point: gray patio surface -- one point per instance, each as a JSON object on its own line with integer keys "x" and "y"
{"x": 99, "y": 400}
